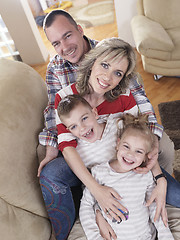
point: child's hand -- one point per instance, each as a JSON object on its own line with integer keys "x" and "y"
{"x": 108, "y": 200}
{"x": 159, "y": 195}
{"x": 105, "y": 229}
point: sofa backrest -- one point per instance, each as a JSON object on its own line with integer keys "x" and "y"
{"x": 23, "y": 97}
{"x": 165, "y": 12}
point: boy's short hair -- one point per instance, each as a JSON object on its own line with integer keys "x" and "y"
{"x": 68, "y": 103}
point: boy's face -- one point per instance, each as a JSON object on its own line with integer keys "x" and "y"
{"x": 82, "y": 123}
{"x": 132, "y": 150}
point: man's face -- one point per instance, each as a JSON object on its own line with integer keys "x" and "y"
{"x": 67, "y": 40}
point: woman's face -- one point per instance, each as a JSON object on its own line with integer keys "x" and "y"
{"x": 105, "y": 75}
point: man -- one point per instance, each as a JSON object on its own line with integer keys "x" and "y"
{"x": 70, "y": 44}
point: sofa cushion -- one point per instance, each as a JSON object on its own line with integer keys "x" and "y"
{"x": 166, "y": 12}
{"x": 156, "y": 66}
{"x": 18, "y": 224}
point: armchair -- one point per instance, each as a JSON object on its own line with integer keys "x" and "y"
{"x": 156, "y": 32}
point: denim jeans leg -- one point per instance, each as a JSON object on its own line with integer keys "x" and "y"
{"x": 56, "y": 179}
{"x": 173, "y": 190}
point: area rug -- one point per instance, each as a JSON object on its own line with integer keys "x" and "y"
{"x": 95, "y": 14}
{"x": 170, "y": 118}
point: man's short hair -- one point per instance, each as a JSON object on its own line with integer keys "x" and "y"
{"x": 51, "y": 16}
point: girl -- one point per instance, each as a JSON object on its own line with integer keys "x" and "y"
{"x": 135, "y": 142}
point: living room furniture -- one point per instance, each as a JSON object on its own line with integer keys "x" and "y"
{"x": 23, "y": 98}
{"x": 156, "y": 32}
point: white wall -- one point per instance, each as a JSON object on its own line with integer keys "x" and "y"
{"x": 21, "y": 25}
{"x": 125, "y": 10}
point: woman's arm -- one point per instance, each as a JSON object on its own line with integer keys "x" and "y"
{"x": 106, "y": 197}
{"x": 144, "y": 105}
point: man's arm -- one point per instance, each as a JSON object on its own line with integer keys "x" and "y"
{"x": 159, "y": 195}
{"x": 53, "y": 82}
{"x": 145, "y": 106}
{"x": 162, "y": 230}
{"x": 51, "y": 153}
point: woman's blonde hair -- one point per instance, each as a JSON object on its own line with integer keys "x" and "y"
{"x": 110, "y": 49}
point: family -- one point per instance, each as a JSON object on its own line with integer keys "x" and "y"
{"x": 101, "y": 132}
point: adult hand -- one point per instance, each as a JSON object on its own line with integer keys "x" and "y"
{"x": 108, "y": 198}
{"x": 51, "y": 153}
{"x": 105, "y": 229}
{"x": 159, "y": 195}
{"x": 152, "y": 159}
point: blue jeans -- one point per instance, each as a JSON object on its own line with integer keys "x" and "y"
{"x": 173, "y": 190}
{"x": 56, "y": 180}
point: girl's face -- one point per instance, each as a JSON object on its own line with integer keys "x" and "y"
{"x": 132, "y": 150}
{"x": 105, "y": 75}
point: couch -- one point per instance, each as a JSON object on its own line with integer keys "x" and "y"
{"x": 156, "y": 32}
{"x": 23, "y": 216}
{"x": 23, "y": 98}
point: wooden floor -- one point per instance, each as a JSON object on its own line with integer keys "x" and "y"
{"x": 164, "y": 90}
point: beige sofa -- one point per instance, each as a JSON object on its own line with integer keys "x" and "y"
{"x": 22, "y": 101}
{"x": 156, "y": 32}
{"x": 23, "y": 97}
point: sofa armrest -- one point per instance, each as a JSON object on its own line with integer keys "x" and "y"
{"x": 150, "y": 35}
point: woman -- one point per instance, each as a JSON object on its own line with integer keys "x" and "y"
{"x": 103, "y": 78}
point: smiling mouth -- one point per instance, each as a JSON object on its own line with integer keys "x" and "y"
{"x": 88, "y": 134}
{"x": 102, "y": 84}
{"x": 128, "y": 161}
{"x": 70, "y": 52}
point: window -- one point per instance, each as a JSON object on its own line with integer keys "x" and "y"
{"x": 7, "y": 46}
